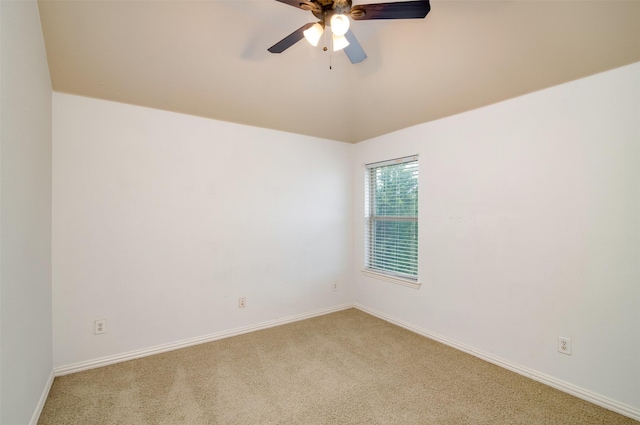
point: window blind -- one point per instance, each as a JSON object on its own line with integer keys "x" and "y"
{"x": 391, "y": 210}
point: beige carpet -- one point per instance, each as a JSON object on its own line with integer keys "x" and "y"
{"x": 343, "y": 368}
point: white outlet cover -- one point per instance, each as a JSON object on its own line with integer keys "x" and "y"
{"x": 100, "y": 327}
{"x": 564, "y": 345}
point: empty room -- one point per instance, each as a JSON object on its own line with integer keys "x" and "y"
{"x": 319, "y": 212}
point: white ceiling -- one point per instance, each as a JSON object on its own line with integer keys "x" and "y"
{"x": 209, "y": 58}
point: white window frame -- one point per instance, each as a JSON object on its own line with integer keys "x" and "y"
{"x": 410, "y": 280}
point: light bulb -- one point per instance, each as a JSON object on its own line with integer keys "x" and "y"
{"x": 339, "y": 42}
{"x": 339, "y": 24}
{"x": 313, "y": 34}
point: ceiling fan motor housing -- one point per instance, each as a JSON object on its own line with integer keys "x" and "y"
{"x": 325, "y": 9}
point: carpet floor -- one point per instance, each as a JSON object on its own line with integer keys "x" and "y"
{"x": 343, "y": 368}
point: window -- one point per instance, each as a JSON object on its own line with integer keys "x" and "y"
{"x": 391, "y": 210}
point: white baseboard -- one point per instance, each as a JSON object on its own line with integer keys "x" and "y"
{"x": 43, "y": 399}
{"x": 530, "y": 373}
{"x": 566, "y": 387}
{"x": 136, "y": 354}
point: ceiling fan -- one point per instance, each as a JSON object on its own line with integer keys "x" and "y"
{"x": 336, "y": 13}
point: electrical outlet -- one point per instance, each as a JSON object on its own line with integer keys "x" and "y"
{"x": 242, "y": 302}
{"x": 564, "y": 345}
{"x": 335, "y": 286}
{"x": 100, "y": 326}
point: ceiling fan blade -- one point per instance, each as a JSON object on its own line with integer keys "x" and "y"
{"x": 290, "y": 40}
{"x": 354, "y": 50}
{"x": 301, "y": 4}
{"x": 294, "y": 3}
{"x": 398, "y": 10}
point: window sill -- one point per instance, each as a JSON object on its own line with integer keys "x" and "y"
{"x": 393, "y": 279}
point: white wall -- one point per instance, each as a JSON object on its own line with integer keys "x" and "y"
{"x": 25, "y": 224}
{"x": 529, "y": 230}
{"x": 162, "y": 221}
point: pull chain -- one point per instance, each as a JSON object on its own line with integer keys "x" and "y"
{"x": 326, "y": 36}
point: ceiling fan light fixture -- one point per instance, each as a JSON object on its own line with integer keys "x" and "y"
{"x": 339, "y": 42}
{"x": 314, "y": 33}
{"x": 339, "y": 24}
